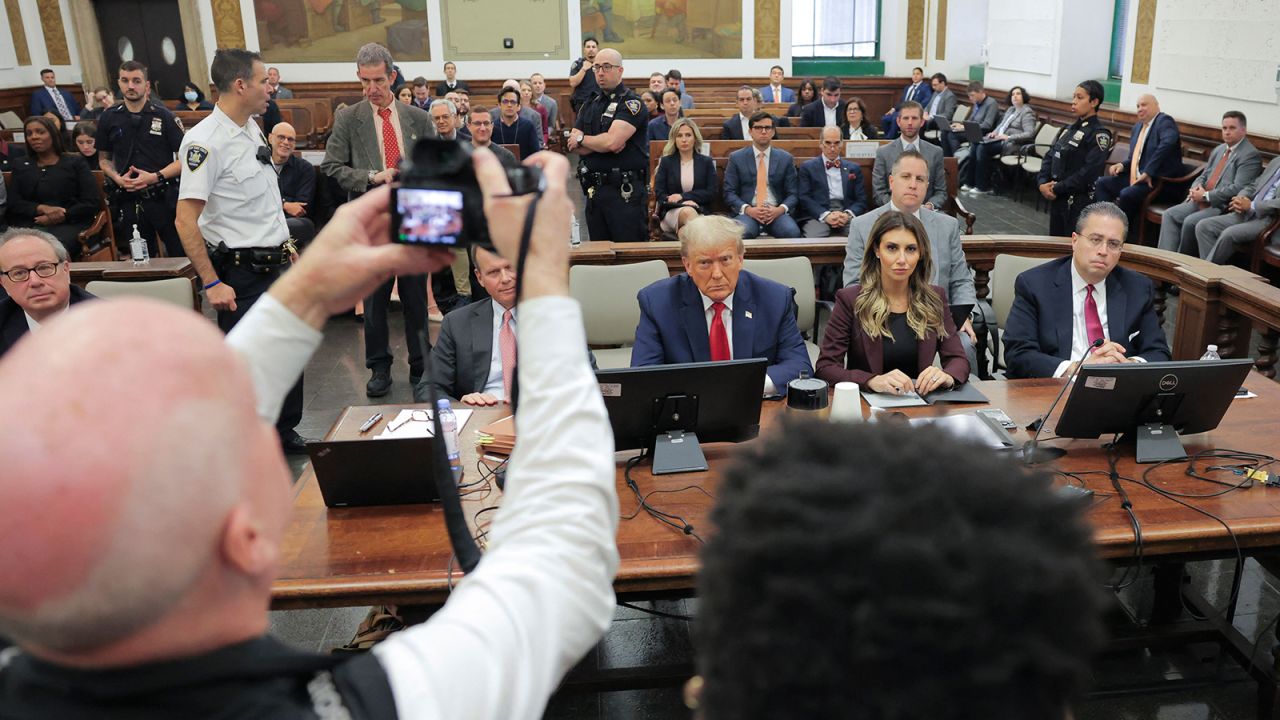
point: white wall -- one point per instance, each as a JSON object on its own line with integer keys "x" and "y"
{"x": 1210, "y": 57}
{"x": 1048, "y": 47}
{"x": 11, "y": 75}
{"x": 966, "y": 36}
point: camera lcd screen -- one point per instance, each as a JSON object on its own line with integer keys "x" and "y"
{"x": 429, "y": 216}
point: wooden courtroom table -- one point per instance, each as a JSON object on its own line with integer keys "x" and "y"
{"x": 83, "y": 273}
{"x": 401, "y": 555}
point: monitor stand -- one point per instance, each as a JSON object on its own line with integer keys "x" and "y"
{"x": 677, "y": 451}
{"x": 1158, "y": 443}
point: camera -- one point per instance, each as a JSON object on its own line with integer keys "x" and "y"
{"x": 438, "y": 200}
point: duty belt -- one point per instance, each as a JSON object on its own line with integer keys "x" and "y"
{"x": 256, "y": 259}
{"x": 614, "y": 177}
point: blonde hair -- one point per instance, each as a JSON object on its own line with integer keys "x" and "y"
{"x": 709, "y": 229}
{"x": 924, "y": 309}
{"x": 670, "y": 147}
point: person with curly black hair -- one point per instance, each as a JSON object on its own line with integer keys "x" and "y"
{"x": 850, "y": 579}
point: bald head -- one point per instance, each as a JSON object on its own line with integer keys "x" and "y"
{"x": 1148, "y": 107}
{"x": 133, "y": 459}
{"x": 608, "y": 68}
{"x": 283, "y": 140}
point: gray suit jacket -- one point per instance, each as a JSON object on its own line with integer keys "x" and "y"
{"x": 950, "y": 268}
{"x": 1243, "y": 167}
{"x": 1021, "y": 130}
{"x": 986, "y": 114}
{"x": 461, "y": 357}
{"x": 888, "y": 154}
{"x": 355, "y": 145}
{"x": 553, "y": 110}
{"x": 1272, "y": 206}
{"x": 946, "y": 108}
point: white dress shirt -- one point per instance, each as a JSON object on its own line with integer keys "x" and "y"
{"x": 493, "y": 384}
{"x": 1079, "y": 333}
{"x": 543, "y": 594}
{"x": 830, "y": 115}
{"x": 746, "y": 126}
{"x": 835, "y": 185}
{"x": 726, "y": 317}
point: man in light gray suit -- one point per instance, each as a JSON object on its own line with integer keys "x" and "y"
{"x": 1246, "y": 216}
{"x": 364, "y": 150}
{"x": 942, "y": 106}
{"x": 909, "y": 178}
{"x": 909, "y": 119}
{"x": 1232, "y": 165}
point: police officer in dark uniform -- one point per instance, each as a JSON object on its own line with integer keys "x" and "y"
{"x": 1077, "y": 159}
{"x": 610, "y": 138}
{"x": 138, "y": 143}
{"x": 582, "y": 78}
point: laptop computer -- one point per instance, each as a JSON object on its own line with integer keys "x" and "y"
{"x": 973, "y": 132}
{"x": 360, "y": 473}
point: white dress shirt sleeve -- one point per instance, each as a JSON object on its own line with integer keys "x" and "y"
{"x": 277, "y": 345}
{"x": 542, "y": 596}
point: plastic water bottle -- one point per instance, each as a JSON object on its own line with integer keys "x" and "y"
{"x": 138, "y": 248}
{"x": 1211, "y": 353}
{"x": 575, "y": 233}
{"x": 449, "y": 425}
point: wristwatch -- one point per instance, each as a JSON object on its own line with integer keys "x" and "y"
{"x": 372, "y": 175}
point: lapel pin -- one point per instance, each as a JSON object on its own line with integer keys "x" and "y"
{"x": 748, "y": 314}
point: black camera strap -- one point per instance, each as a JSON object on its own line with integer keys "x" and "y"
{"x": 464, "y": 544}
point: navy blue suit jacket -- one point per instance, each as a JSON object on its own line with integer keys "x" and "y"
{"x": 42, "y": 102}
{"x": 815, "y": 194}
{"x": 740, "y": 178}
{"x": 1037, "y": 335}
{"x": 1161, "y": 151}
{"x": 673, "y": 326}
{"x": 924, "y": 93}
{"x": 13, "y": 323}
{"x": 666, "y": 181}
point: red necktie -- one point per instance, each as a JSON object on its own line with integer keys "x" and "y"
{"x": 507, "y": 349}
{"x": 390, "y": 144}
{"x": 833, "y": 164}
{"x": 1092, "y": 323}
{"x": 719, "y": 338}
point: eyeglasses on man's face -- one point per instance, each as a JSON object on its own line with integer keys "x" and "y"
{"x": 605, "y": 67}
{"x": 44, "y": 270}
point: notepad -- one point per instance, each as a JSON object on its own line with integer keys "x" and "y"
{"x": 965, "y": 393}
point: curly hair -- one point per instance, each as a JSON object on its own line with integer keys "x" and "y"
{"x": 850, "y": 579}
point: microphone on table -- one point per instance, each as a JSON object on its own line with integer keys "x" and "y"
{"x": 1032, "y": 453}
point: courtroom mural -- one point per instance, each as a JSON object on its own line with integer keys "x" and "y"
{"x": 300, "y": 31}
{"x": 666, "y": 28}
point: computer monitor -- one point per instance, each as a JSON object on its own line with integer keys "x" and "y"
{"x": 1152, "y": 401}
{"x": 671, "y": 409}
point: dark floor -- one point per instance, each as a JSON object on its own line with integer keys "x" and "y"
{"x": 335, "y": 379}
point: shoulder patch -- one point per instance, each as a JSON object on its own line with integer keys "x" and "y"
{"x": 634, "y": 106}
{"x": 196, "y": 155}
{"x": 1103, "y": 139}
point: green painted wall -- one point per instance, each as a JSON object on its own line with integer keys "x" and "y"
{"x": 821, "y": 67}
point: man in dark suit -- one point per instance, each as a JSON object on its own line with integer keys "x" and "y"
{"x": 738, "y": 127}
{"x": 1156, "y": 151}
{"x": 831, "y": 194}
{"x": 297, "y": 180}
{"x": 364, "y": 149}
{"x": 1062, "y": 307}
{"x": 52, "y": 98}
{"x": 451, "y": 81}
{"x": 763, "y": 202}
{"x": 717, "y": 311}
{"x": 35, "y": 274}
{"x": 774, "y": 92}
{"x": 827, "y": 109}
{"x": 917, "y": 91}
{"x": 983, "y": 111}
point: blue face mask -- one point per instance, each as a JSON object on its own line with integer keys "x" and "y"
{"x": 190, "y": 96}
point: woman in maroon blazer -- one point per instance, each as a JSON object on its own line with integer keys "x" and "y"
{"x": 885, "y": 331}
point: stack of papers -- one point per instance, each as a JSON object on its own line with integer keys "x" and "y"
{"x": 499, "y": 436}
{"x": 965, "y": 393}
{"x": 418, "y": 424}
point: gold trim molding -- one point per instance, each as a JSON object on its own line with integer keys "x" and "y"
{"x": 1143, "y": 38}
{"x": 915, "y": 29}
{"x": 55, "y": 35}
{"x": 14, "y": 11}
{"x": 768, "y": 29}
{"x": 228, "y": 26}
{"x": 941, "y": 50}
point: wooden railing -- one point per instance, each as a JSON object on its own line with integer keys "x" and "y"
{"x": 1217, "y": 304}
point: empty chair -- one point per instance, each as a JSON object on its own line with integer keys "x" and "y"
{"x": 796, "y": 273}
{"x": 609, "y": 307}
{"x": 1006, "y": 271}
{"x": 177, "y": 291}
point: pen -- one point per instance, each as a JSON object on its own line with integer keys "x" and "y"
{"x": 370, "y": 422}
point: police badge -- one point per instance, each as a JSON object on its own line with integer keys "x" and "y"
{"x": 196, "y": 156}
{"x": 634, "y": 106}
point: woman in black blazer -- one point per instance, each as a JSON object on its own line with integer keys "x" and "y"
{"x": 52, "y": 191}
{"x": 685, "y": 183}
{"x": 856, "y": 124}
{"x": 807, "y": 93}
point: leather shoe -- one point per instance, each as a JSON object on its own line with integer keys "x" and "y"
{"x": 294, "y": 444}
{"x": 379, "y": 384}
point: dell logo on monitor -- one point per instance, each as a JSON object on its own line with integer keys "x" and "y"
{"x": 1168, "y": 382}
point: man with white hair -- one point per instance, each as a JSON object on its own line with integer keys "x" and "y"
{"x": 35, "y": 273}
{"x": 138, "y": 563}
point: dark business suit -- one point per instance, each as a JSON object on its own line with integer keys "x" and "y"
{"x": 666, "y": 182}
{"x": 740, "y": 190}
{"x": 850, "y": 355}
{"x": 42, "y": 102}
{"x": 814, "y": 114}
{"x": 298, "y": 184}
{"x": 442, "y": 87}
{"x": 1039, "y": 330}
{"x": 462, "y": 354}
{"x": 673, "y": 326}
{"x": 814, "y": 194}
{"x": 354, "y": 148}
{"x": 921, "y": 92}
{"x": 731, "y": 129}
{"x": 13, "y": 322}
{"x": 1161, "y": 157}
{"x": 67, "y": 184}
